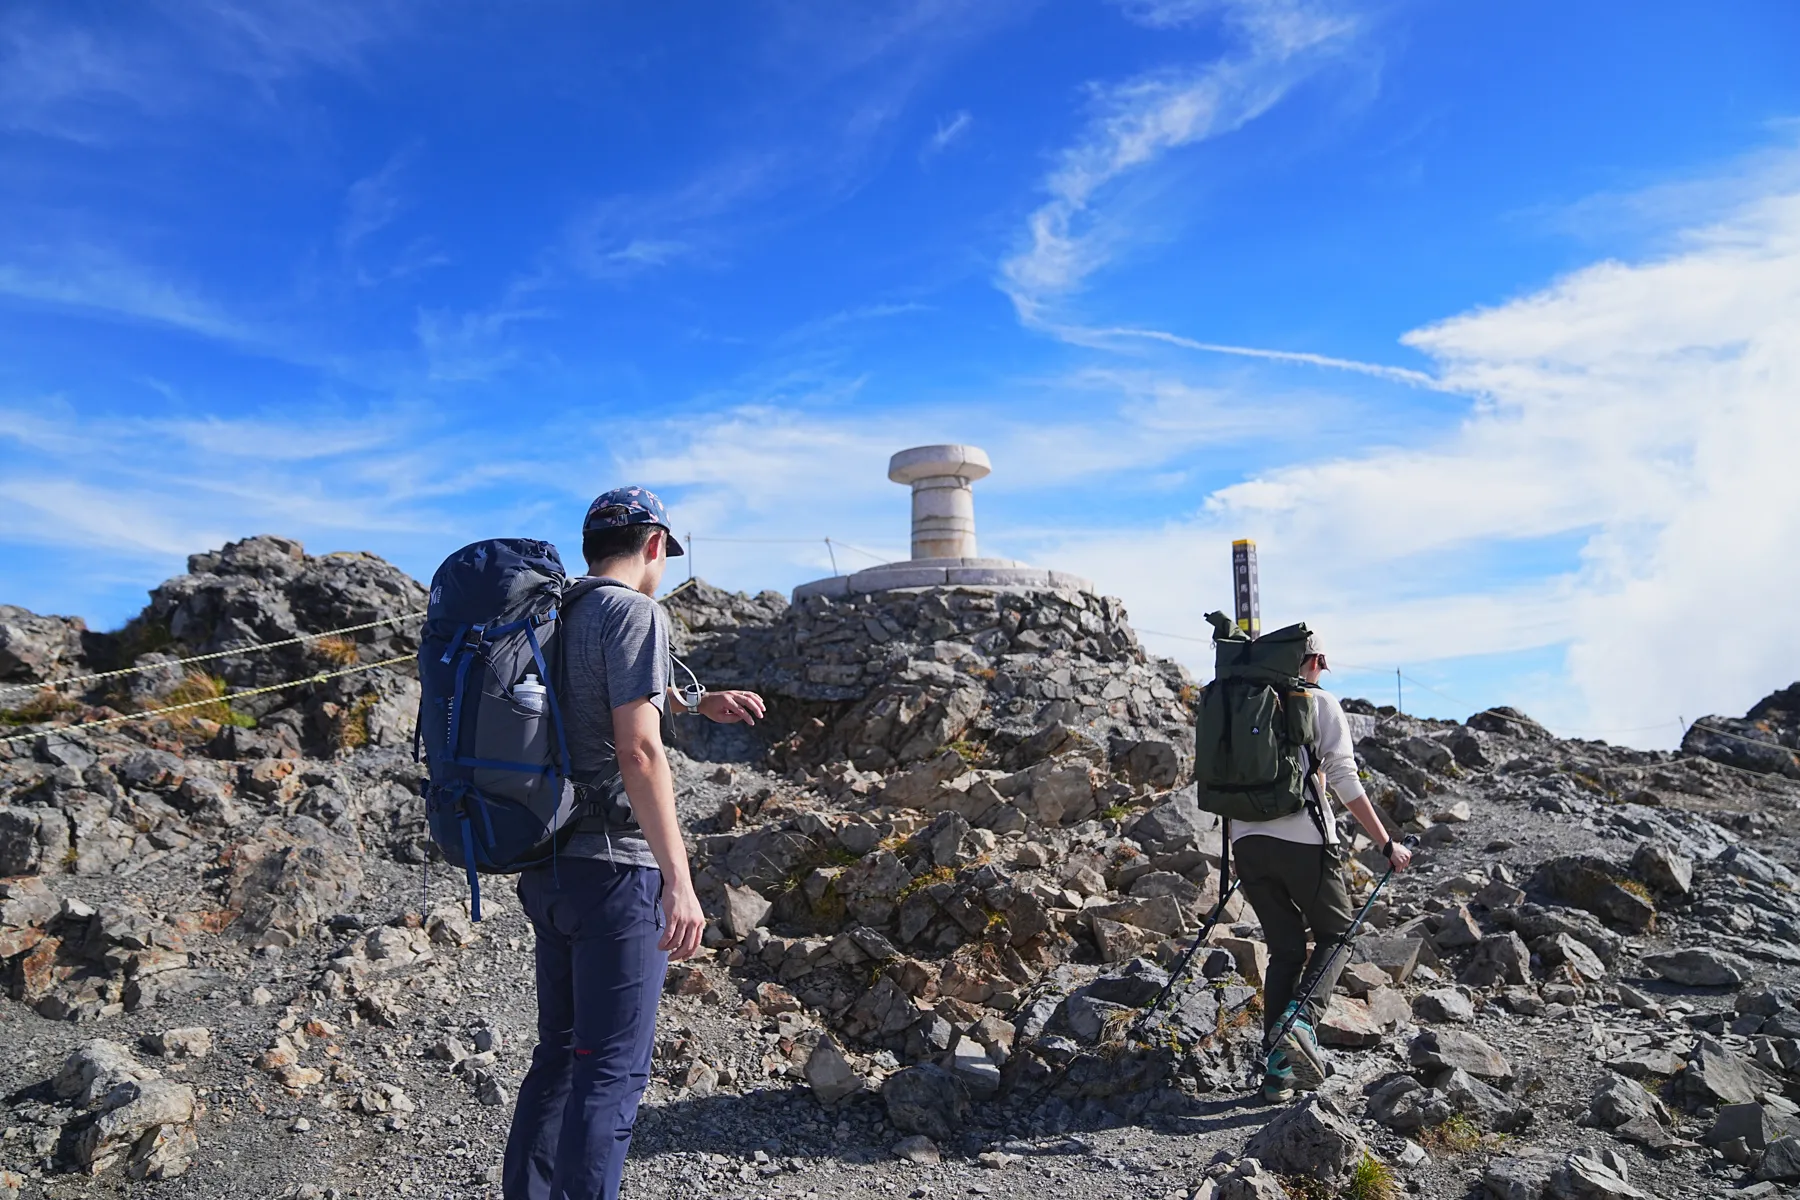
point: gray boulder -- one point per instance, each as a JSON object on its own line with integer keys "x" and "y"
{"x": 1501, "y": 958}
{"x": 22, "y": 838}
{"x": 1175, "y": 824}
{"x": 36, "y": 648}
{"x": 1781, "y": 1161}
{"x": 1565, "y": 950}
{"x": 1753, "y": 743}
{"x": 1443, "y": 1006}
{"x": 1250, "y": 1180}
{"x": 288, "y": 878}
{"x": 1313, "y": 1138}
{"x": 1663, "y": 869}
{"x": 1757, "y": 867}
{"x": 1517, "y": 1177}
{"x": 93, "y": 1069}
{"x": 745, "y": 909}
{"x": 146, "y": 1121}
{"x": 830, "y": 1074}
{"x": 1458, "y": 1048}
{"x": 1486, "y": 1106}
{"x": 1619, "y": 1100}
{"x": 1715, "y": 1075}
{"x": 1598, "y": 885}
{"x": 1758, "y": 1124}
{"x": 1700, "y": 966}
{"x": 1404, "y": 1105}
{"x": 925, "y": 1100}
{"x": 1590, "y": 1175}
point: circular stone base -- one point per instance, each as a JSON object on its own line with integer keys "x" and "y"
{"x": 942, "y": 572}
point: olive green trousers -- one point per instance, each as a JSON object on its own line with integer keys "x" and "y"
{"x": 1295, "y": 891}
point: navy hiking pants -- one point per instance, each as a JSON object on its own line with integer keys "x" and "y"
{"x": 599, "y": 976}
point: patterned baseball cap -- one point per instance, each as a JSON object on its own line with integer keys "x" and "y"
{"x": 630, "y": 506}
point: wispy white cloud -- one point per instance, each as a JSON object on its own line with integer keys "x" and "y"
{"x": 151, "y": 489}
{"x": 1138, "y": 121}
{"x": 65, "y": 77}
{"x": 1166, "y": 14}
{"x": 949, "y": 130}
{"x": 372, "y": 202}
{"x": 462, "y": 347}
{"x": 90, "y": 280}
{"x": 1110, "y": 338}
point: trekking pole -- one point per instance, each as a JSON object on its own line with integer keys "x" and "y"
{"x": 1343, "y": 943}
{"x": 1181, "y": 966}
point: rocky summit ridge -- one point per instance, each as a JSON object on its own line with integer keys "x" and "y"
{"x": 941, "y": 879}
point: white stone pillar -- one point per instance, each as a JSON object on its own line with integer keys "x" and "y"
{"x": 943, "y": 504}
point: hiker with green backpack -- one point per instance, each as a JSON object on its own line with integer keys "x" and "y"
{"x": 1272, "y": 750}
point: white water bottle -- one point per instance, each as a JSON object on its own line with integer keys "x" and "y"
{"x": 529, "y": 694}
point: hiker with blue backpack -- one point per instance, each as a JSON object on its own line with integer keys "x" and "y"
{"x": 1273, "y": 748}
{"x": 541, "y": 724}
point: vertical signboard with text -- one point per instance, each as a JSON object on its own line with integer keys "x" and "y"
{"x": 1244, "y": 587}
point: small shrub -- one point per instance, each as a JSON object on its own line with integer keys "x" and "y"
{"x": 1458, "y": 1135}
{"x": 925, "y": 879}
{"x": 1370, "y": 1179}
{"x": 1115, "y": 812}
{"x": 45, "y": 705}
{"x": 971, "y": 752}
{"x": 1305, "y": 1187}
{"x": 207, "y": 693}
{"x": 338, "y": 651}
{"x": 141, "y": 637}
{"x": 353, "y": 722}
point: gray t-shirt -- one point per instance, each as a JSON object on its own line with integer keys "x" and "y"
{"x": 616, "y": 648}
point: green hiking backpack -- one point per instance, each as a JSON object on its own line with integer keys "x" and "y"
{"x": 1255, "y": 716}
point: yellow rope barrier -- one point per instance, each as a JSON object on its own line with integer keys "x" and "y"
{"x": 257, "y": 648}
{"x": 321, "y": 677}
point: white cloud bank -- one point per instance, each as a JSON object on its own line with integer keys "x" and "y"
{"x": 1648, "y": 412}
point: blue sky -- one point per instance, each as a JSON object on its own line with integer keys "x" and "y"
{"x": 1478, "y": 316}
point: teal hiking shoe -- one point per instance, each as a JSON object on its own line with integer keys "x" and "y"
{"x": 1278, "y": 1079}
{"x": 1301, "y": 1052}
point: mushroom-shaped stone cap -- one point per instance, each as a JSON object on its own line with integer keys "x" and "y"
{"x": 923, "y": 462}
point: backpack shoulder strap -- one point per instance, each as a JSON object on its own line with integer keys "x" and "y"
{"x": 586, "y": 585}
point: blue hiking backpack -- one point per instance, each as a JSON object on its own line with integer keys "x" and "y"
{"x": 501, "y": 794}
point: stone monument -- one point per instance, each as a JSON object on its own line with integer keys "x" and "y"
{"x": 943, "y": 533}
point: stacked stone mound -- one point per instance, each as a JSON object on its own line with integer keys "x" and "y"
{"x": 888, "y": 680}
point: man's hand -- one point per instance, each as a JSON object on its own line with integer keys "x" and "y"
{"x": 682, "y": 922}
{"x": 1401, "y": 858}
{"x": 730, "y": 707}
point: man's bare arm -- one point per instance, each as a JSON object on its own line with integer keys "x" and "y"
{"x": 637, "y": 732}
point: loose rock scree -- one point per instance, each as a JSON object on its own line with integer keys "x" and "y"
{"x": 942, "y": 880}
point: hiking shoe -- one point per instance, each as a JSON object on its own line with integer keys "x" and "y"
{"x": 1303, "y": 1055}
{"x": 1278, "y": 1079}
